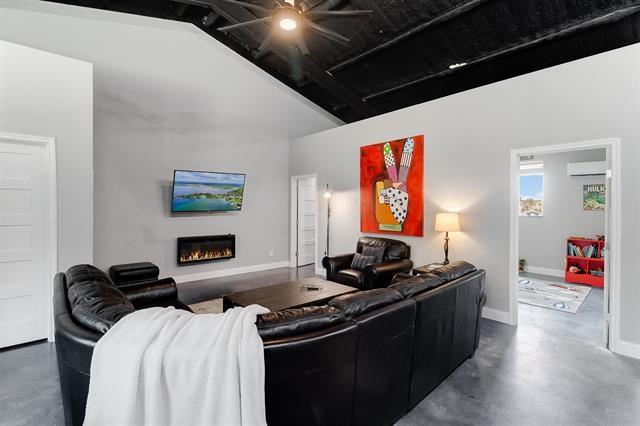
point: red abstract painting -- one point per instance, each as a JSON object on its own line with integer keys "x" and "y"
{"x": 391, "y": 187}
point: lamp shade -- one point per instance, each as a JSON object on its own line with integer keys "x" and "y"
{"x": 447, "y": 222}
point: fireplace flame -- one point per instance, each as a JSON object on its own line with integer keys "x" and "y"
{"x": 199, "y": 254}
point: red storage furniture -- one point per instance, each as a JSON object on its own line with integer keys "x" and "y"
{"x": 586, "y": 264}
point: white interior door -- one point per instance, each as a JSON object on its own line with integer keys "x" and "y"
{"x": 24, "y": 258}
{"x": 306, "y": 221}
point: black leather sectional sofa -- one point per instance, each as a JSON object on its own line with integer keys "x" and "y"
{"x": 365, "y": 358}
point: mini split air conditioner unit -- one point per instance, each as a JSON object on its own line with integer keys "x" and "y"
{"x": 587, "y": 168}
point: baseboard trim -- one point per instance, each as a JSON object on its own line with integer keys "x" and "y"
{"x": 228, "y": 272}
{"x": 496, "y": 315}
{"x": 544, "y": 271}
{"x": 626, "y": 348}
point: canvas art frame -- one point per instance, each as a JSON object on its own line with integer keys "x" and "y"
{"x": 392, "y": 187}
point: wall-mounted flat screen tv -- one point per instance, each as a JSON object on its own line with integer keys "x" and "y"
{"x": 195, "y": 191}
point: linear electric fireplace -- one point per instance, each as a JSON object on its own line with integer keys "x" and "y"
{"x": 205, "y": 248}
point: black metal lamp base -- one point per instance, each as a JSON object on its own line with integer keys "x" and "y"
{"x": 446, "y": 249}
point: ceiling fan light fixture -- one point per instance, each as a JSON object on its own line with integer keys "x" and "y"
{"x": 288, "y": 24}
{"x": 288, "y": 18}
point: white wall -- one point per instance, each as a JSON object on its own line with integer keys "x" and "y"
{"x": 168, "y": 96}
{"x": 543, "y": 239}
{"x": 43, "y": 94}
{"x": 468, "y": 139}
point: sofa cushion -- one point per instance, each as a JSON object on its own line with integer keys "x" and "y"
{"x": 377, "y": 252}
{"x": 360, "y": 261}
{"x": 94, "y": 301}
{"x": 84, "y": 273}
{"x": 350, "y": 276}
{"x": 454, "y": 270}
{"x": 359, "y": 303}
{"x": 412, "y": 286}
{"x": 291, "y": 322}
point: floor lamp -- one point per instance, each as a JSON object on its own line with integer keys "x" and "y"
{"x": 328, "y": 195}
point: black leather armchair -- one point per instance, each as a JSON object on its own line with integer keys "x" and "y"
{"x": 395, "y": 260}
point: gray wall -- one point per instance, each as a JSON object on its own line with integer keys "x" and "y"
{"x": 42, "y": 94}
{"x": 543, "y": 239}
{"x": 468, "y": 139}
{"x": 169, "y": 96}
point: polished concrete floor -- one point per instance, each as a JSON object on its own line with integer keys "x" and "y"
{"x": 550, "y": 370}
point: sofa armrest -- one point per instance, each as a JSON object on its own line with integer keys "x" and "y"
{"x": 133, "y": 273}
{"x": 401, "y": 277}
{"x": 161, "y": 292}
{"x": 336, "y": 263}
{"x": 381, "y": 274}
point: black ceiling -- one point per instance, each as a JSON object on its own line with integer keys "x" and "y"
{"x": 400, "y": 55}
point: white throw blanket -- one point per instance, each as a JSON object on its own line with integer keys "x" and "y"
{"x": 165, "y": 366}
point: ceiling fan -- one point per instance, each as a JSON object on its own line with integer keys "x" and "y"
{"x": 288, "y": 18}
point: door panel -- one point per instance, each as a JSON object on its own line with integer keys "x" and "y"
{"x": 23, "y": 257}
{"x": 306, "y": 235}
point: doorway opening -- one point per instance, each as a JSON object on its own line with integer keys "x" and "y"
{"x": 304, "y": 221}
{"x": 564, "y": 240}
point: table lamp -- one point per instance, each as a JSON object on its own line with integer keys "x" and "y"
{"x": 447, "y": 222}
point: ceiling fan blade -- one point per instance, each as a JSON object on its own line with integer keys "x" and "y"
{"x": 326, "y": 32}
{"x": 295, "y": 63}
{"x": 337, "y": 13}
{"x": 264, "y": 47}
{"x": 245, "y": 24}
{"x": 302, "y": 45}
{"x": 247, "y": 5}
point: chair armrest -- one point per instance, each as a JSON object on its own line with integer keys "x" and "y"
{"x": 400, "y": 277}
{"x": 161, "y": 292}
{"x": 381, "y": 274}
{"x": 336, "y": 263}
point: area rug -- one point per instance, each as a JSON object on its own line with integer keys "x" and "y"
{"x": 547, "y": 294}
{"x": 208, "y": 307}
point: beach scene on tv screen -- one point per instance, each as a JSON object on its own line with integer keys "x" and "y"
{"x": 204, "y": 191}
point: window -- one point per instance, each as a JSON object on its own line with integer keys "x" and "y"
{"x": 531, "y": 194}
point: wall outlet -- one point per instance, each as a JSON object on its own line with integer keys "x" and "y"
{"x": 271, "y": 253}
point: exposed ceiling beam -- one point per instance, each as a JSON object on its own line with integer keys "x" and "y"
{"x": 452, "y": 13}
{"x": 257, "y": 33}
{"x": 607, "y": 18}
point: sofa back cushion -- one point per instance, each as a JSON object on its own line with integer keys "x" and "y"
{"x": 291, "y": 322}
{"x": 394, "y": 249}
{"x": 359, "y": 303}
{"x": 376, "y": 252}
{"x": 94, "y": 301}
{"x": 454, "y": 270}
{"x": 412, "y": 286}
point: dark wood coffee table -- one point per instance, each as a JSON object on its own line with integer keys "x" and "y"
{"x": 288, "y": 295}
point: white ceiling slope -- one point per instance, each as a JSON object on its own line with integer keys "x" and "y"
{"x": 165, "y": 72}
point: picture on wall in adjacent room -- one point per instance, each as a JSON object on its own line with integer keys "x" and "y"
{"x": 593, "y": 197}
{"x": 391, "y": 187}
{"x": 531, "y": 194}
